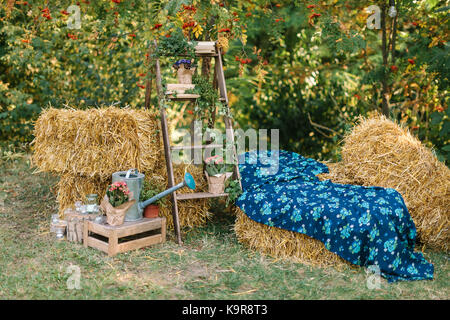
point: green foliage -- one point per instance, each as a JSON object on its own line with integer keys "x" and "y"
{"x": 148, "y": 191}
{"x": 234, "y": 191}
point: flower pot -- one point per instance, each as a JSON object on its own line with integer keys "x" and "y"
{"x": 115, "y": 216}
{"x": 151, "y": 211}
{"x": 216, "y": 184}
{"x": 185, "y": 75}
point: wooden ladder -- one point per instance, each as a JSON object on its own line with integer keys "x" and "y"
{"x": 219, "y": 83}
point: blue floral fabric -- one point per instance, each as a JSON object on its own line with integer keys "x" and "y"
{"x": 367, "y": 226}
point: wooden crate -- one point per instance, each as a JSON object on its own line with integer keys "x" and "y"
{"x": 128, "y": 236}
{"x": 75, "y": 224}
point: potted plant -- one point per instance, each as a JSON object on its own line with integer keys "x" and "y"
{"x": 215, "y": 171}
{"x": 117, "y": 201}
{"x": 185, "y": 70}
{"x": 147, "y": 192}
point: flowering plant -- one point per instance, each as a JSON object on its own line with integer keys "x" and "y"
{"x": 118, "y": 193}
{"x": 185, "y": 62}
{"x": 215, "y": 166}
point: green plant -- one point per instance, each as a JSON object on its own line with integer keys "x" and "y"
{"x": 176, "y": 44}
{"x": 118, "y": 193}
{"x": 148, "y": 191}
{"x": 234, "y": 190}
{"x": 215, "y": 165}
{"x": 209, "y": 97}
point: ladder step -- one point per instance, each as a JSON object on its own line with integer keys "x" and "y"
{"x": 199, "y": 195}
{"x": 183, "y": 97}
{"x": 203, "y": 146}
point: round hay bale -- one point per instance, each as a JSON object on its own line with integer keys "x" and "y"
{"x": 282, "y": 243}
{"x": 191, "y": 213}
{"x": 378, "y": 152}
{"x": 96, "y": 142}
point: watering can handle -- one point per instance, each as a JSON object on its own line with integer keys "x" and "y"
{"x": 129, "y": 172}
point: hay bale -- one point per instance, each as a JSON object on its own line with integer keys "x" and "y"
{"x": 378, "y": 152}
{"x": 96, "y": 142}
{"x": 73, "y": 188}
{"x": 191, "y": 213}
{"x": 282, "y": 243}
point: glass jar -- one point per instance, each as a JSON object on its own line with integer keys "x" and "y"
{"x": 91, "y": 203}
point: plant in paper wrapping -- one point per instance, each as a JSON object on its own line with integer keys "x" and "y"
{"x": 117, "y": 201}
{"x": 215, "y": 172}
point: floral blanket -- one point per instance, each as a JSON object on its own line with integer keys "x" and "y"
{"x": 367, "y": 226}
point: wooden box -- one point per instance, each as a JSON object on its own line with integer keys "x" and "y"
{"x": 128, "y": 236}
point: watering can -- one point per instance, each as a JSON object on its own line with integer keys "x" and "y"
{"x": 135, "y": 180}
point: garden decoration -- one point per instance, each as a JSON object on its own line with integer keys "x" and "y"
{"x": 215, "y": 171}
{"x": 185, "y": 71}
{"x": 134, "y": 180}
{"x": 220, "y": 85}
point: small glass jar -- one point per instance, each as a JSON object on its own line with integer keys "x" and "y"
{"x": 91, "y": 203}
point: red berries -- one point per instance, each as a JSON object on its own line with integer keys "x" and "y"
{"x": 157, "y": 26}
{"x": 72, "y": 36}
{"x": 411, "y": 61}
{"x": 46, "y": 13}
{"x": 311, "y": 6}
{"x": 243, "y": 61}
{"x": 394, "y": 68}
{"x": 188, "y": 25}
{"x": 132, "y": 35}
{"x": 224, "y": 30}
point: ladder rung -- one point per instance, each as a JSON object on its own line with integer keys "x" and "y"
{"x": 203, "y": 146}
{"x": 199, "y": 195}
{"x": 183, "y": 96}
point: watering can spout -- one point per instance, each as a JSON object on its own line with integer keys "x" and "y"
{"x": 188, "y": 181}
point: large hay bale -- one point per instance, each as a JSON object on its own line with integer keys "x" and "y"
{"x": 282, "y": 243}
{"x": 378, "y": 152}
{"x": 191, "y": 213}
{"x": 96, "y": 142}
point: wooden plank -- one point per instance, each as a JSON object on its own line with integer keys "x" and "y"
{"x": 151, "y": 224}
{"x": 113, "y": 244}
{"x": 167, "y": 152}
{"x": 85, "y": 233}
{"x": 97, "y": 244}
{"x": 200, "y": 195}
{"x": 139, "y": 243}
{"x": 163, "y": 230}
{"x": 183, "y": 97}
{"x": 101, "y": 229}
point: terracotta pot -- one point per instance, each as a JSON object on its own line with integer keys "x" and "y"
{"x": 151, "y": 211}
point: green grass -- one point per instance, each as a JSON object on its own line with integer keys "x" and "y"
{"x": 211, "y": 264}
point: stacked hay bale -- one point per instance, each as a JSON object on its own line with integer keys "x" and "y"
{"x": 85, "y": 147}
{"x": 282, "y": 243}
{"x": 378, "y": 152}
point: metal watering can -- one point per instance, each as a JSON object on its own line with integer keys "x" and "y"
{"x": 135, "y": 180}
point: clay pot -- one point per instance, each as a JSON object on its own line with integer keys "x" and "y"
{"x": 151, "y": 211}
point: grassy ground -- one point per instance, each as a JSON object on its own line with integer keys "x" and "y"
{"x": 211, "y": 264}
